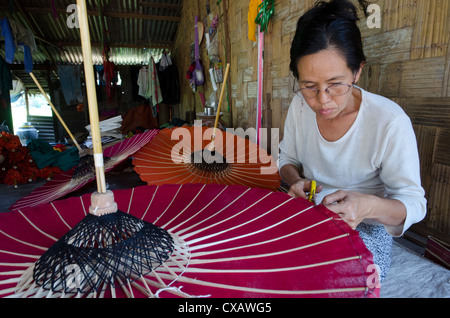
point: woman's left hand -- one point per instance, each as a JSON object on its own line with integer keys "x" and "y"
{"x": 353, "y": 207}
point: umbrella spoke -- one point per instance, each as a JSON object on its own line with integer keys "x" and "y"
{"x": 239, "y": 225}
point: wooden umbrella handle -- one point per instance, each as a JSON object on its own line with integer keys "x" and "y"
{"x": 221, "y": 98}
{"x": 211, "y": 146}
{"x": 92, "y": 96}
{"x": 55, "y": 111}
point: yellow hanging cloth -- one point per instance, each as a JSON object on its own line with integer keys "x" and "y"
{"x": 252, "y": 14}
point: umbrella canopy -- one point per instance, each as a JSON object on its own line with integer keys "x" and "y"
{"x": 179, "y": 156}
{"x": 77, "y": 177}
{"x": 228, "y": 241}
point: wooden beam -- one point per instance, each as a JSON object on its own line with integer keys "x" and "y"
{"x": 110, "y": 14}
{"x": 153, "y": 45}
{"x": 160, "y": 5}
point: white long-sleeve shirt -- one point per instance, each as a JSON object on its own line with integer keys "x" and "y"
{"x": 377, "y": 156}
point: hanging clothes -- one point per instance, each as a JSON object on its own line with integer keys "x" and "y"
{"x": 10, "y": 45}
{"x": 165, "y": 62}
{"x": 110, "y": 80}
{"x": 127, "y": 86}
{"x": 15, "y": 35}
{"x": 154, "y": 87}
{"x": 6, "y": 85}
{"x": 252, "y": 15}
{"x": 22, "y": 35}
{"x": 170, "y": 86}
{"x": 17, "y": 91}
{"x": 6, "y": 81}
{"x": 149, "y": 86}
{"x": 70, "y": 79}
{"x": 143, "y": 81}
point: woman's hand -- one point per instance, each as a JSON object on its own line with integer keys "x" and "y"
{"x": 301, "y": 187}
{"x": 352, "y": 207}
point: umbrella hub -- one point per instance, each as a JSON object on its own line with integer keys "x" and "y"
{"x": 102, "y": 203}
{"x": 209, "y": 161}
{"x": 103, "y": 252}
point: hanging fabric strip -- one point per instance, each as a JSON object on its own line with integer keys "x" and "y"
{"x": 54, "y": 13}
{"x": 260, "y": 85}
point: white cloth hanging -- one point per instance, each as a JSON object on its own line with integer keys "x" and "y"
{"x": 149, "y": 86}
{"x": 165, "y": 62}
{"x": 143, "y": 81}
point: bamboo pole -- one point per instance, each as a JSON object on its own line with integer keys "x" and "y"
{"x": 91, "y": 96}
{"x": 55, "y": 111}
{"x": 211, "y": 146}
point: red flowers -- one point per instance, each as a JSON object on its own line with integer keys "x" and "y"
{"x": 17, "y": 165}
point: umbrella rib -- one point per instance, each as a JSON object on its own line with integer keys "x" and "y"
{"x": 23, "y": 242}
{"x": 215, "y": 214}
{"x": 241, "y": 224}
{"x": 150, "y": 203}
{"x": 36, "y": 228}
{"x": 43, "y": 196}
{"x": 185, "y": 208}
{"x": 201, "y": 254}
{"x": 271, "y": 291}
{"x": 206, "y": 206}
{"x": 26, "y": 265}
{"x": 236, "y": 176}
{"x": 164, "y": 212}
{"x": 209, "y": 261}
{"x": 62, "y": 219}
{"x": 271, "y": 270}
{"x": 131, "y": 199}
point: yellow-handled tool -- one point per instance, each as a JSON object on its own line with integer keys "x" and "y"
{"x": 312, "y": 192}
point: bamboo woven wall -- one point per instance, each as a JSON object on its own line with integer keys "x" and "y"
{"x": 408, "y": 61}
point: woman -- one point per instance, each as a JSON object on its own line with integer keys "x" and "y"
{"x": 359, "y": 147}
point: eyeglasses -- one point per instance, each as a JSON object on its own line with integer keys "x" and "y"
{"x": 332, "y": 90}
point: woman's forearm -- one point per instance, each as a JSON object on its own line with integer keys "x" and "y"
{"x": 290, "y": 174}
{"x": 387, "y": 211}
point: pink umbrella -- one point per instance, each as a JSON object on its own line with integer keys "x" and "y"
{"x": 210, "y": 240}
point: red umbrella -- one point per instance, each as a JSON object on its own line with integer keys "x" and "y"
{"x": 228, "y": 241}
{"x": 77, "y": 177}
{"x": 179, "y": 156}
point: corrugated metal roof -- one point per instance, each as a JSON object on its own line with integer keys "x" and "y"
{"x": 132, "y": 29}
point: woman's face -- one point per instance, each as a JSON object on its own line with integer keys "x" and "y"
{"x": 320, "y": 70}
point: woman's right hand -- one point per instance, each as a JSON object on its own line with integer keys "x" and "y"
{"x": 301, "y": 188}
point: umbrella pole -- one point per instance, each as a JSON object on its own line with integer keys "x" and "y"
{"x": 102, "y": 201}
{"x": 211, "y": 147}
{"x": 56, "y": 112}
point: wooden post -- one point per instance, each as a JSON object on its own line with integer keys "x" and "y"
{"x": 92, "y": 96}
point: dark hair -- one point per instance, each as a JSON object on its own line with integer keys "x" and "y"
{"x": 329, "y": 25}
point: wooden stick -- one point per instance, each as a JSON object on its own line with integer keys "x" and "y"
{"x": 55, "y": 111}
{"x": 221, "y": 97}
{"x": 211, "y": 146}
{"x": 92, "y": 96}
